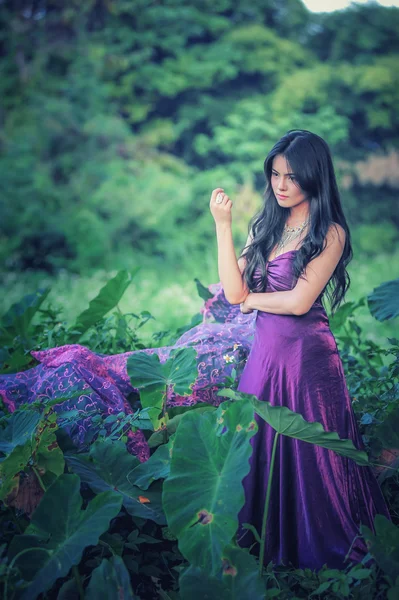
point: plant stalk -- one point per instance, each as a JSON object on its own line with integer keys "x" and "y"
{"x": 40, "y": 480}
{"x": 164, "y": 400}
{"x": 11, "y": 565}
{"x": 79, "y": 584}
{"x": 266, "y": 509}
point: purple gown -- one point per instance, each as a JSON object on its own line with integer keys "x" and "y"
{"x": 318, "y": 498}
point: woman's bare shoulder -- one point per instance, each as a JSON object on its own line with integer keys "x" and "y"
{"x": 336, "y": 235}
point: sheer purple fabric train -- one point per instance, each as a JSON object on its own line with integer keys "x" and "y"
{"x": 222, "y": 341}
{"x": 318, "y": 498}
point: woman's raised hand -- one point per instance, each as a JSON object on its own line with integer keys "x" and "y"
{"x": 220, "y": 206}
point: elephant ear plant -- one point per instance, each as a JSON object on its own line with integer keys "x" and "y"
{"x": 286, "y": 422}
{"x": 203, "y": 494}
{"x": 202, "y": 497}
{"x": 54, "y": 540}
{"x": 192, "y": 483}
{"x": 28, "y": 443}
{"x": 154, "y": 380}
{"x": 383, "y": 301}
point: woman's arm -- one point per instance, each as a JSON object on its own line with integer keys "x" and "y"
{"x": 300, "y": 299}
{"x": 230, "y": 269}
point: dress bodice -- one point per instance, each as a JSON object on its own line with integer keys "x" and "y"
{"x": 280, "y": 274}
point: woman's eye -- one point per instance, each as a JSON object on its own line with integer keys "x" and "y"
{"x": 292, "y": 178}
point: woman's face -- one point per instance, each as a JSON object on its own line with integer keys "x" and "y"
{"x": 285, "y": 187}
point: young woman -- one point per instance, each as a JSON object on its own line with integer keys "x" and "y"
{"x": 297, "y": 250}
{"x": 274, "y": 318}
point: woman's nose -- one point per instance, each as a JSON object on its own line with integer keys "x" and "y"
{"x": 282, "y": 184}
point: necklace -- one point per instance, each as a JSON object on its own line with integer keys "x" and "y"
{"x": 289, "y": 234}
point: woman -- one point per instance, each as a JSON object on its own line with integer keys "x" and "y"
{"x": 293, "y": 361}
{"x": 297, "y": 250}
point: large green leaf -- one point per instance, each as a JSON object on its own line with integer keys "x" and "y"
{"x": 47, "y": 455}
{"x": 59, "y": 532}
{"x": 17, "y": 428}
{"x": 158, "y": 437}
{"x": 237, "y": 579}
{"x": 10, "y": 468}
{"x": 109, "y": 466}
{"x": 288, "y": 422}
{"x": 15, "y": 360}
{"x": 153, "y": 378}
{"x": 156, "y": 467}
{"x": 110, "y": 581}
{"x": 384, "y": 300}
{"x": 203, "y": 291}
{"x": 384, "y": 544}
{"x": 203, "y": 493}
{"x": 40, "y": 451}
{"x": 17, "y": 319}
{"x": 107, "y": 298}
{"x": 346, "y": 310}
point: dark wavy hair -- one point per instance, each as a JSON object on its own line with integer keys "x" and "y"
{"x": 309, "y": 158}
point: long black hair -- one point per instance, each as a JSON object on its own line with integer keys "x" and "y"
{"x": 309, "y": 158}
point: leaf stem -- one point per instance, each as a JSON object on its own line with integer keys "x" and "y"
{"x": 266, "y": 509}
{"x": 24, "y": 551}
{"x": 78, "y": 580}
{"x": 102, "y": 543}
{"x": 164, "y": 400}
{"x": 374, "y": 464}
{"x": 40, "y": 480}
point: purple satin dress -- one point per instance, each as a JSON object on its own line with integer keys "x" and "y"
{"x": 318, "y": 498}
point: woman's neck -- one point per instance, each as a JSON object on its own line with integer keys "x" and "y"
{"x": 298, "y": 214}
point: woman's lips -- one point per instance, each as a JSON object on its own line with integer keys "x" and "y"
{"x": 282, "y": 197}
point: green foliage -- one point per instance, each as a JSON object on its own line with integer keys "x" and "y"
{"x": 236, "y": 580}
{"x": 17, "y": 320}
{"x": 156, "y": 467}
{"x": 108, "y": 466}
{"x": 110, "y": 581}
{"x": 251, "y": 127}
{"x": 118, "y": 121}
{"x": 108, "y": 298}
{"x": 155, "y": 379}
{"x": 339, "y": 582}
{"x": 157, "y": 100}
{"x": 356, "y": 34}
{"x": 388, "y": 430}
{"x": 103, "y": 550}
{"x": 346, "y": 310}
{"x": 158, "y": 437}
{"x": 29, "y": 443}
{"x": 287, "y": 422}
{"x": 203, "y": 493}
{"x": 371, "y": 239}
{"x": 383, "y": 301}
{"x": 384, "y": 545}
{"x": 58, "y": 533}
{"x": 371, "y": 375}
{"x": 17, "y": 429}
{"x": 19, "y": 334}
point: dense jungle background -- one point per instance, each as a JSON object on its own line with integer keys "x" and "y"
{"x": 117, "y": 120}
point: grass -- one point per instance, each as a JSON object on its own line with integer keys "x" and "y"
{"x": 170, "y": 294}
